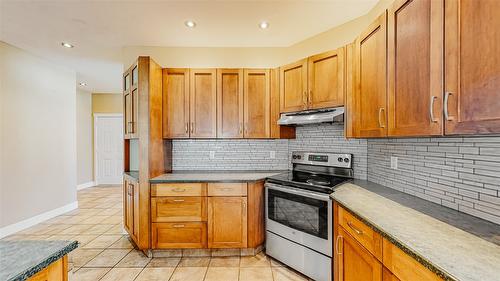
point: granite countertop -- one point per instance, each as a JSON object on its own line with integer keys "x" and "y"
{"x": 454, "y": 245}
{"x": 214, "y": 176}
{"x": 20, "y": 260}
{"x": 133, "y": 174}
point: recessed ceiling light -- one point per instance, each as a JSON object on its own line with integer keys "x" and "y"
{"x": 190, "y": 23}
{"x": 83, "y": 84}
{"x": 264, "y": 25}
{"x": 67, "y": 45}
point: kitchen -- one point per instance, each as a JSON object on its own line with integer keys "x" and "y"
{"x": 377, "y": 159}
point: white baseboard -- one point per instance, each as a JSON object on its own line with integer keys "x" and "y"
{"x": 85, "y": 185}
{"x": 16, "y": 227}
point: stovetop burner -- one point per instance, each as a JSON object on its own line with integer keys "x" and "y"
{"x": 317, "y": 182}
{"x": 309, "y": 181}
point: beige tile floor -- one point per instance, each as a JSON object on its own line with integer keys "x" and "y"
{"x": 106, "y": 254}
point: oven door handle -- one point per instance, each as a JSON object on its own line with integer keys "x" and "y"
{"x": 292, "y": 190}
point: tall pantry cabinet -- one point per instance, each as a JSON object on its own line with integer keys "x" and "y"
{"x": 143, "y": 136}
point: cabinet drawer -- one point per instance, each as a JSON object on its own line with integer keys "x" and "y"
{"x": 227, "y": 189}
{"x": 179, "y": 235}
{"x": 403, "y": 266}
{"x": 178, "y": 209}
{"x": 366, "y": 236}
{"x": 179, "y": 189}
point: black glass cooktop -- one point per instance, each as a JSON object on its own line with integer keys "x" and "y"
{"x": 315, "y": 182}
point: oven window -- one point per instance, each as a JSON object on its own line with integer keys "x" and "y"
{"x": 299, "y": 212}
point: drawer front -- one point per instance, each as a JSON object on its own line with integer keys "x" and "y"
{"x": 227, "y": 189}
{"x": 365, "y": 235}
{"x": 178, "y": 209}
{"x": 403, "y": 266}
{"x": 179, "y": 189}
{"x": 179, "y": 235}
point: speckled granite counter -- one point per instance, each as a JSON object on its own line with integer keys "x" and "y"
{"x": 214, "y": 176}
{"x": 454, "y": 245}
{"x": 20, "y": 260}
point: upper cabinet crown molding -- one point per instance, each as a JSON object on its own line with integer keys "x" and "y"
{"x": 472, "y": 67}
{"x": 415, "y": 67}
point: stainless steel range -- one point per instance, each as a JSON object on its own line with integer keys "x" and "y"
{"x": 299, "y": 213}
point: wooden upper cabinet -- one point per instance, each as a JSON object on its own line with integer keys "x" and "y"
{"x": 229, "y": 103}
{"x": 368, "y": 107}
{"x": 326, "y": 79}
{"x": 277, "y": 131}
{"x": 130, "y": 102}
{"x": 175, "y": 103}
{"x": 355, "y": 262}
{"x": 203, "y": 103}
{"x": 293, "y": 86}
{"x": 415, "y": 67}
{"x": 127, "y": 105}
{"x": 227, "y": 222}
{"x": 472, "y": 63}
{"x": 256, "y": 103}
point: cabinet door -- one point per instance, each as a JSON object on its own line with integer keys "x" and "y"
{"x": 227, "y": 222}
{"x": 175, "y": 103}
{"x": 293, "y": 86}
{"x": 179, "y": 235}
{"x": 203, "y": 103}
{"x": 415, "y": 67}
{"x": 135, "y": 113}
{"x": 129, "y": 207}
{"x": 472, "y": 66}
{"x": 326, "y": 79}
{"x": 355, "y": 262}
{"x": 127, "y": 118}
{"x": 229, "y": 103}
{"x": 257, "y": 99}
{"x": 368, "y": 109}
{"x": 135, "y": 213}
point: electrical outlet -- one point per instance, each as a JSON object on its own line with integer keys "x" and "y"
{"x": 212, "y": 154}
{"x": 394, "y": 163}
{"x": 272, "y": 154}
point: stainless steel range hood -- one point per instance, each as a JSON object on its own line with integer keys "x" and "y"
{"x": 328, "y": 115}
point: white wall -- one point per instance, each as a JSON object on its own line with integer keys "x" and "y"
{"x": 37, "y": 139}
{"x": 84, "y": 132}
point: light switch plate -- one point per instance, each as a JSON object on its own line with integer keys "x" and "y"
{"x": 272, "y": 154}
{"x": 394, "y": 163}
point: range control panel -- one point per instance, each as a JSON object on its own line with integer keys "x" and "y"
{"x": 343, "y": 160}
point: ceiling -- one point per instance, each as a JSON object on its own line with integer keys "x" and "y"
{"x": 99, "y": 29}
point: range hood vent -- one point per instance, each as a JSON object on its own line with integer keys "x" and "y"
{"x": 329, "y": 115}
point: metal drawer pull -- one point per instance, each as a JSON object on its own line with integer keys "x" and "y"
{"x": 445, "y": 107}
{"x": 431, "y": 109}
{"x": 178, "y": 225}
{"x": 380, "y": 120}
{"x": 350, "y": 224}
{"x": 178, "y": 189}
{"x": 224, "y": 188}
{"x": 178, "y": 200}
{"x": 186, "y": 128}
{"x": 337, "y": 245}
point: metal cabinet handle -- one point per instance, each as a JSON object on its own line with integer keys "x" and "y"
{"x": 445, "y": 107}
{"x": 304, "y": 99}
{"x": 380, "y": 110}
{"x": 241, "y": 128}
{"x": 431, "y": 109}
{"x": 224, "y": 188}
{"x": 246, "y": 129}
{"x": 178, "y": 189}
{"x": 178, "y": 200}
{"x": 351, "y": 225}
{"x": 178, "y": 225}
{"x": 192, "y": 127}
{"x": 187, "y": 127}
{"x": 337, "y": 245}
{"x": 309, "y": 98}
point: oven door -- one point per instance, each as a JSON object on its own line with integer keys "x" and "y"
{"x": 301, "y": 216}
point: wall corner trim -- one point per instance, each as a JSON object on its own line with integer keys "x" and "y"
{"x": 16, "y": 227}
{"x": 85, "y": 185}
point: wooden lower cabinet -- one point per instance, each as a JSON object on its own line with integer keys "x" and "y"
{"x": 227, "y": 222}
{"x": 207, "y": 215}
{"x": 131, "y": 207}
{"x": 355, "y": 262}
{"x": 362, "y": 254}
{"x": 179, "y": 235}
{"x": 57, "y": 271}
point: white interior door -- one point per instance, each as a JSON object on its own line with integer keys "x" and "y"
{"x": 108, "y": 148}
